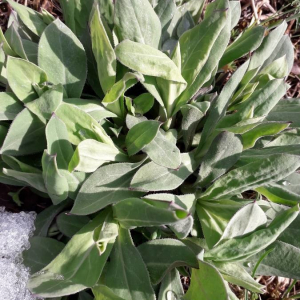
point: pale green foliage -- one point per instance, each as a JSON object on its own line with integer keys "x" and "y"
{"x": 128, "y": 99}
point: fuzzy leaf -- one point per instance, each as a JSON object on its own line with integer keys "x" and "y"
{"x": 148, "y": 61}
{"x": 60, "y": 66}
{"x": 21, "y": 76}
{"x": 109, "y": 184}
{"x": 144, "y": 26}
{"x": 133, "y": 283}
{"x": 103, "y": 51}
{"x": 172, "y": 253}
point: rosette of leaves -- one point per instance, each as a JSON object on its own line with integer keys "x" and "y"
{"x": 155, "y": 159}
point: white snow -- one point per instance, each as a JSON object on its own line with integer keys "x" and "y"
{"x": 15, "y": 230}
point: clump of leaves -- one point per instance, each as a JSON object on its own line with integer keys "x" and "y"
{"x": 122, "y": 118}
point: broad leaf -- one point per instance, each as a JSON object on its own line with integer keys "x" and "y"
{"x": 47, "y": 103}
{"x": 56, "y": 184}
{"x": 58, "y": 142}
{"x": 135, "y": 212}
{"x": 127, "y": 283}
{"x": 91, "y": 154}
{"x": 81, "y": 125}
{"x": 163, "y": 152}
{"x": 144, "y": 26}
{"x": 30, "y": 179}
{"x": 10, "y": 106}
{"x": 246, "y": 220}
{"x": 172, "y": 254}
{"x": 72, "y": 270}
{"x": 248, "y": 41}
{"x": 236, "y": 274}
{"x": 271, "y": 169}
{"x": 25, "y": 136}
{"x": 21, "y": 76}
{"x": 239, "y": 248}
{"x": 69, "y": 225}
{"x": 171, "y": 287}
{"x": 103, "y": 51}
{"x": 207, "y": 283}
{"x": 41, "y": 252}
{"x": 109, "y": 184}
{"x": 60, "y": 66}
{"x": 148, "y": 61}
{"x": 152, "y": 177}
{"x": 141, "y": 135}
{"x": 222, "y": 155}
{"x": 31, "y": 18}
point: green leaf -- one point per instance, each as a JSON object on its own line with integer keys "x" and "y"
{"x": 202, "y": 47}
{"x": 30, "y": 179}
{"x": 135, "y": 212}
{"x": 143, "y": 103}
{"x": 21, "y": 76}
{"x": 144, "y": 26}
{"x": 127, "y": 283}
{"x": 15, "y": 41}
{"x": 192, "y": 115}
{"x": 141, "y": 135}
{"x": 148, "y": 61}
{"x": 45, "y": 218}
{"x": 18, "y": 165}
{"x": 102, "y": 292}
{"x": 92, "y": 107}
{"x": 163, "y": 152}
{"x": 60, "y": 66}
{"x": 235, "y": 7}
{"x": 214, "y": 218}
{"x": 236, "y": 274}
{"x": 113, "y": 100}
{"x": 239, "y": 248}
{"x": 267, "y": 47}
{"x": 69, "y": 225}
{"x": 103, "y": 51}
{"x": 172, "y": 254}
{"x": 206, "y": 282}
{"x": 57, "y": 185}
{"x": 287, "y": 110}
{"x": 41, "y": 252}
{"x": 287, "y": 190}
{"x": 10, "y": 106}
{"x": 272, "y": 265}
{"x": 6, "y": 47}
{"x": 109, "y": 184}
{"x": 247, "y": 42}
{"x": 277, "y": 69}
{"x": 91, "y": 154}
{"x": 26, "y": 135}
{"x": 58, "y": 142}
{"x": 32, "y": 19}
{"x": 246, "y": 220}
{"x": 81, "y": 125}
{"x": 218, "y": 110}
{"x": 171, "y": 286}
{"x": 76, "y": 14}
{"x": 165, "y": 10}
{"x": 152, "y": 177}
{"x": 47, "y": 103}
{"x": 73, "y": 269}
{"x": 31, "y": 50}
{"x": 265, "y": 129}
{"x": 182, "y": 227}
{"x": 223, "y": 153}
{"x": 268, "y": 170}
